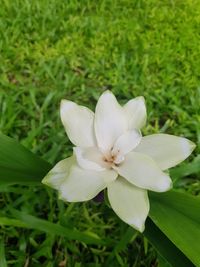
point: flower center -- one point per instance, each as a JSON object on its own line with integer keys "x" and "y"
{"x": 112, "y": 159}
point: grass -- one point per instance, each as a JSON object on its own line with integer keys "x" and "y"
{"x": 57, "y": 49}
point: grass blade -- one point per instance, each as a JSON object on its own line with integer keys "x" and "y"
{"x": 2, "y": 254}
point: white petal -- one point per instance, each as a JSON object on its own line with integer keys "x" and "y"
{"x": 127, "y": 142}
{"x": 83, "y": 185}
{"x": 58, "y": 173}
{"x": 89, "y": 158}
{"x": 167, "y": 150}
{"x": 143, "y": 172}
{"x": 79, "y": 123}
{"x": 130, "y": 203}
{"x": 110, "y": 121}
{"x": 135, "y": 111}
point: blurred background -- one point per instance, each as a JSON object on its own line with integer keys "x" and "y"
{"x": 55, "y": 49}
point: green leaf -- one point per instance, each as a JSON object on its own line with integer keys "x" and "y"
{"x": 18, "y": 165}
{"x": 32, "y": 222}
{"x": 177, "y": 215}
{"x": 12, "y": 222}
{"x": 165, "y": 247}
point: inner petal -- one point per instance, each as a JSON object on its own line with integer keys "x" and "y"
{"x": 118, "y": 159}
{"x": 125, "y": 144}
{"x": 90, "y": 158}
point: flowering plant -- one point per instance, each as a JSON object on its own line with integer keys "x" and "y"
{"x": 111, "y": 153}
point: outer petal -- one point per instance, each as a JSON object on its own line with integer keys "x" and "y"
{"x": 127, "y": 142}
{"x": 167, "y": 150}
{"x": 130, "y": 203}
{"x": 110, "y": 121}
{"x": 135, "y": 111}
{"x": 89, "y": 158}
{"x": 56, "y": 176}
{"x": 79, "y": 123}
{"x": 143, "y": 172}
{"x": 82, "y": 185}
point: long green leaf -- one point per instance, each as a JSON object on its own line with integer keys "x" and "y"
{"x": 32, "y": 222}
{"x": 164, "y": 246}
{"x": 178, "y": 216}
{"x": 18, "y": 165}
{"x": 12, "y": 222}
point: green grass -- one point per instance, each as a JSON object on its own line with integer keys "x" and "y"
{"x": 57, "y": 49}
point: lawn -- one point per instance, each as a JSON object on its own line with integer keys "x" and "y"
{"x": 55, "y": 49}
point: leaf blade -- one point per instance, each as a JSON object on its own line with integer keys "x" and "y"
{"x": 18, "y": 165}
{"x": 164, "y": 246}
{"x": 177, "y": 215}
{"x": 32, "y": 222}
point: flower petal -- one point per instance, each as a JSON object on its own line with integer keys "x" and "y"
{"x": 167, "y": 150}
{"x": 89, "y": 158}
{"x": 143, "y": 172}
{"x": 59, "y": 173}
{"x": 127, "y": 142}
{"x": 135, "y": 111}
{"x": 130, "y": 203}
{"x": 79, "y": 123}
{"x": 110, "y": 121}
{"x": 83, "y": 185}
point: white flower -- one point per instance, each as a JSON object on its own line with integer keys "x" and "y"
{"x": 111, "y": 153}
